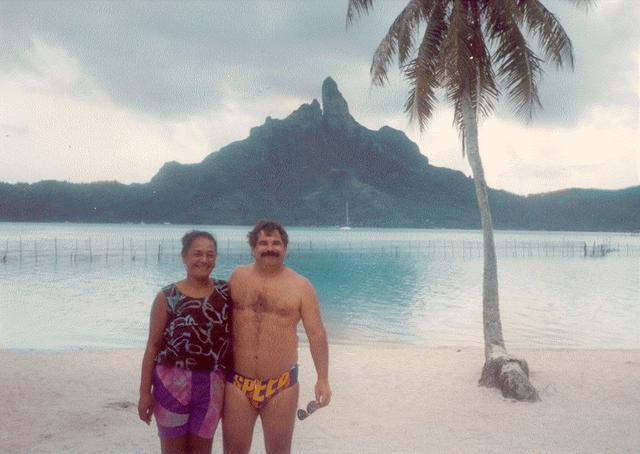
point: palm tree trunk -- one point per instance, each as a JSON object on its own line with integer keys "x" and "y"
{"x": 500, "y": 370}
{"x": 490, "y": 300}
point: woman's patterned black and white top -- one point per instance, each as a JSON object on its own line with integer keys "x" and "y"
{"x": 197, "y": 336}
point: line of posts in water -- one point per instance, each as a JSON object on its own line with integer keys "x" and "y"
{"x": 169, "y": 249}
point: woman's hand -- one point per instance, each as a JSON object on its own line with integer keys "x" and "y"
{"x": 145, "y": 407}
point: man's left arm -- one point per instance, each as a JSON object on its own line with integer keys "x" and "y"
{"x": 312, "y": 321}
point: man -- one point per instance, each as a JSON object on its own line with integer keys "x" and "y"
{"x": 269, "y": 299}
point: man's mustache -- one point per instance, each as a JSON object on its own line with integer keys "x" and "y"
{"x": 270, "y": 254}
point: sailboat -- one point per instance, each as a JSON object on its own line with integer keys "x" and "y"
{"x": 346, "y": 225}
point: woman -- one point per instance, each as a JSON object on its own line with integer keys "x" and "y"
{"x": 182, "y": 381}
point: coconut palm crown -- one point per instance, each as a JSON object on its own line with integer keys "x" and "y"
{"x": 473, "y": 49}
{"x": 477, "y": 46}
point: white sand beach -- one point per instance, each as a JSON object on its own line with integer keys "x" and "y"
{"x": 387, "y": 399}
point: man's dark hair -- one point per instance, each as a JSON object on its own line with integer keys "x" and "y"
{"x": 191, "y": 236}
{"x": 268, "y": 226}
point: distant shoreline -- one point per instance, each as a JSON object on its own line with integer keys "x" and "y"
{"x": 632, "y": 232}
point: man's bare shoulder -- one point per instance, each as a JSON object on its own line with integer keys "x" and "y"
{"x": 240, "y": 272}
{"x": 298, "y": 280}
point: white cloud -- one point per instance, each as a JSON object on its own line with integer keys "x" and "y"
{"x": 81, "y": 137}
{"x": 601, "y": 152}
{"x": 49, "y": 131}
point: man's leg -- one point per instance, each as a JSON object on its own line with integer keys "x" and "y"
{"x": 238, "y": 422}
{"x": 278, "y": 418}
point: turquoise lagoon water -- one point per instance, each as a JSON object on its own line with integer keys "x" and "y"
{"x": 90, "y": 286}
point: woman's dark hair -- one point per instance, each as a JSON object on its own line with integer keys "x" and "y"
{"x": 189, "y": 238}
{"x": 268, "y": 226}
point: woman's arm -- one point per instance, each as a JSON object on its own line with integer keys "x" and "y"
{"x": 157, "y": 324}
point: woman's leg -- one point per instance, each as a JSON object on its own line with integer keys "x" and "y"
{"x": 199, "y": 445}
{"x": 171, "y": 393}
{"x": 206, "y": 410}
{"x": 177, "y": 445}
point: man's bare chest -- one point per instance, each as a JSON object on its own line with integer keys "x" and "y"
{"x": 268, "y": 300}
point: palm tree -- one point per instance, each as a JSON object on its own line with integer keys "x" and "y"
{"x": 469, "y": 49}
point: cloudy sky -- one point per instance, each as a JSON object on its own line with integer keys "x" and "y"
{"x": 111, "y": 90}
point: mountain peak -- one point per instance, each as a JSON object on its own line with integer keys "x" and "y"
{"x": 335, "y": 108}
{"x": 333, "y": 102}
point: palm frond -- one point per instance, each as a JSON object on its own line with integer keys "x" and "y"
{"x": 468, "y": 68}
{"x": 410, "y": 19}
{"x": 546, "y": 28}
{"x": 518, "y": 68}
{"x": 486, "y": 91}
{"x": 586, "y": 4}
{"x": 358, "y": 8}
{"x": 452, "y": 53}
{"x": 399, "y": 38}
{"x": 423, "y": 72}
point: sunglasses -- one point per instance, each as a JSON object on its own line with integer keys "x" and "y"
{"x": 311, "y": 407}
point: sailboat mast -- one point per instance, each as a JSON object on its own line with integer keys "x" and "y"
{"x": 346, "y": 210}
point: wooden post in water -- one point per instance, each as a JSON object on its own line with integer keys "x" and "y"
{"x": 145, "y": 250}
{"x": 106, "y": 253}
{"x": 159, "y": 250}
{"x": 122, "y": 255}
{"x": 35, "y": 249}
{"x": 75, "y": 255}
{"x": 55, "y": 249}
